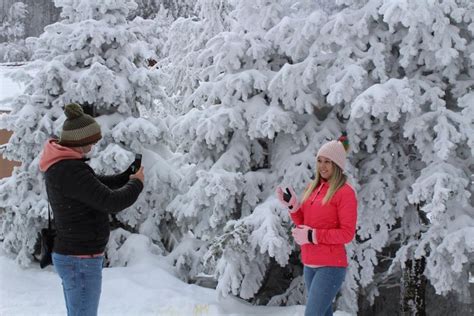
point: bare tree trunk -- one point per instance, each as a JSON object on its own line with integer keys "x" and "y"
{"x": 413, "y": 288}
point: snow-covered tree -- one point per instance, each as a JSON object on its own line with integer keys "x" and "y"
{"x": 285, "y": 77}
{"x": 186, "y": 38}
{"x": 403, "y": 84}
{"x": 12, "y": 33}
{"x": 146, "y": 8}
{"x": 238, "y": 142}
{"x": 180, "y": 8}
{"x": 420, "y": 161}
{"x": 13, "y": 23}
{"x": 93, "y": 56}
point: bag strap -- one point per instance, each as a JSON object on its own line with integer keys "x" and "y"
{"x": 49, "y": 216}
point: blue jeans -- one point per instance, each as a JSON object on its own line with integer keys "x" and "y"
{"x": 322, "y": 285}
{"x": 82, "y": 283}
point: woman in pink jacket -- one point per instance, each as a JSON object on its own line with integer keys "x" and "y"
{"x": 325, "y": 221}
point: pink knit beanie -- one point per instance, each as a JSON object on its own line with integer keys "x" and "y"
{"x": 336, "y": 150}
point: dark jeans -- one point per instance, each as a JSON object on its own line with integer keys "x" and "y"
{"x": 82, "y": 283}
{"x": 322, "y": 285}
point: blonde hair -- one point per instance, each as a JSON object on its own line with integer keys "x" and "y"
{"x": 337, "y": 180}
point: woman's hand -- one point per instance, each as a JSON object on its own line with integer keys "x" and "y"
{"x": 288, "y": 198}
{"x": 304, "y": 235}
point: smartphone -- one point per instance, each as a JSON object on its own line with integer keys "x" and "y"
{"x": 287, "y": 195}
{"x": 137, "y": 163}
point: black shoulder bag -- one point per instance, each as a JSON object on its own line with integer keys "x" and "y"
{"x": 47, "y": 236}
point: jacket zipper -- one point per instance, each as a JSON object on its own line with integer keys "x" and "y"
{"x": 317, "y": 193}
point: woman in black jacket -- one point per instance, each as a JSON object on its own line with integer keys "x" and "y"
{"x": 81, "y": 202}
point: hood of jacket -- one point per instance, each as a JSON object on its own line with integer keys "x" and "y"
{"x": 53, "y": 153}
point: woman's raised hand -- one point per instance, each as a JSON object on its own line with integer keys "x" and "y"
{"x": 288, "y": 198}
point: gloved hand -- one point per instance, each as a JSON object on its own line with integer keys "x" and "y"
{"x": 288, "y": 198}
{"x": 304, "y": 235}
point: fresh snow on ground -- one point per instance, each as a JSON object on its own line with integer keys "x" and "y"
{"x": 143, "y": 288}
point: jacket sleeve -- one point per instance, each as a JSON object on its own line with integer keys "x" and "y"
{"x": 88, "y": 189}
{"x": 297, "y": 216}
{"x": 114, "y": 181}
{"x": 347, "y": 214}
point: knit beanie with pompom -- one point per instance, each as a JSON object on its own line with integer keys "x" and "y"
{"x": 79, "y": 129}
{"x": 336, "y": 151}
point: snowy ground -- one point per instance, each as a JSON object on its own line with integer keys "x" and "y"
{"x": 146, "y": 286}
{"x": 141, "y": 289}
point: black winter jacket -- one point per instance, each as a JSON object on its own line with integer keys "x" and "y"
{"x": 82, "y": 201}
